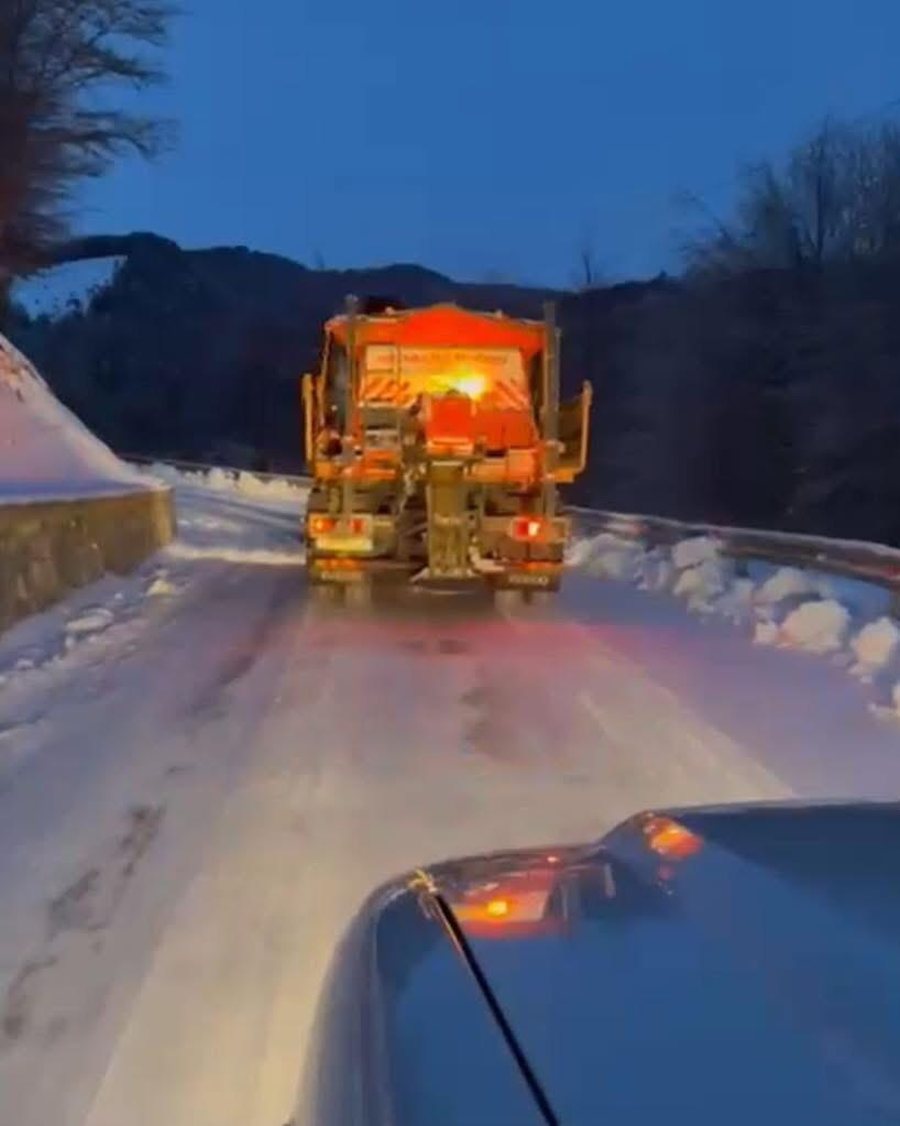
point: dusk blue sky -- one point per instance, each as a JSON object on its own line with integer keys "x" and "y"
{"x": 485, "y": 138}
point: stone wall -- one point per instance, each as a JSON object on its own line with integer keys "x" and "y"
{"x": 51, "y": 547}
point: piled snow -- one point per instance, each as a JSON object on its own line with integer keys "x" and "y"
{"x": 787, "y": 582}
{"x": 657, "y": 572}
{"x": 703, "y": 575}
{"x": 843, "y": 618}
{"x": 875, "y": 646}
{"x": 610, "y": 556}
{"x": 579, "y": 552}
{"x": 249, "y": 485}
{"x": 259, "y": 556}
{"x": 737, "y": 601}
{"x": 45, "y": 452}
{"x": 161, "y": 587}
{"x": 703, "y": 583}
{"x": 91, "y": 622}
{"x": 692, "y": 552}
{"x": 817, "y": 627}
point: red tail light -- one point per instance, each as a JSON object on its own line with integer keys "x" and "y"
{"x": 319, "y": 525}
{"x": 527, "y": 527}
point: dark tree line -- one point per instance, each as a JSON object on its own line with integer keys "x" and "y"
{"x": 835, "y": 199}
{"x": 763, "y": 387}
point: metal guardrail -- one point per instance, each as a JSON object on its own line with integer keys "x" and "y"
{"x": 859, "y": 559}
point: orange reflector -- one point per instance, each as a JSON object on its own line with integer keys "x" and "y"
{"x": 338, "y": 564}
{"x": 497, "y": 908}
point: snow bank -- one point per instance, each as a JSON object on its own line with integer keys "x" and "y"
{"x": 45, "y": 451}
{"x": 875, "y": 646}
{"x": 701, "y": 575}
{"x": 161, "y": 587}
{"x": 876, "y": 643}
{"x": 703, "y": 583}
{"x": 736, "y": 603}
{"x": 787, "y": 607}
{"x": 607, "y": 556}
{"x": 579, "y": 552}
{"x": 787, "y": 582}
{"x": 265, "y": 557}
{"x": 657, "y": 572}
{"x": 249, "y": 485}
{"x": 91, "y": 622}
{"x": 692, "y": 552}
{"x": 817, "y": 627}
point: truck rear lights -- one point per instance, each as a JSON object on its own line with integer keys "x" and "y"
{"x": 334, "y": 525}
{"x": 319, "y": 525}
{"x": 527, "y": 528}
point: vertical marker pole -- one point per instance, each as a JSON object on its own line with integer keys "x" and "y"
{"x": 352, "y": 306}
{"x": 550, "y": 411}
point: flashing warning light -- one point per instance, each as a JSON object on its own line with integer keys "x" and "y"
{"x": 527, "y": 528}
{"x": 463, "y": 381}
{"x": 497, "y": 908}
{"x": 472, "y": 384}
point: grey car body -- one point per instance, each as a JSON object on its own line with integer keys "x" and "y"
{"x": 735, "y": 965}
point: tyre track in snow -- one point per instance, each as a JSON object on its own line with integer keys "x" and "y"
{"x": 136, "y": 740}
{"x": 399, "y": 736}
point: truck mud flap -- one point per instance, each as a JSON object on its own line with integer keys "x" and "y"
{"x": 450, "y": 585}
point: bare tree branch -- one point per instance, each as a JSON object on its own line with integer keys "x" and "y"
{"x": 60, "y": 60}
{"x": 837, "y": 197}
{"x": 587, "y": 274}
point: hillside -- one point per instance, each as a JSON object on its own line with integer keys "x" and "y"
{"x": 45, "y": 451}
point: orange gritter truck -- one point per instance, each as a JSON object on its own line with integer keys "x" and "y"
{"x": 436, "y": 443}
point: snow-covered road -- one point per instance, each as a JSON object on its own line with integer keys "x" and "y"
{"x": 203, "y": 771}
